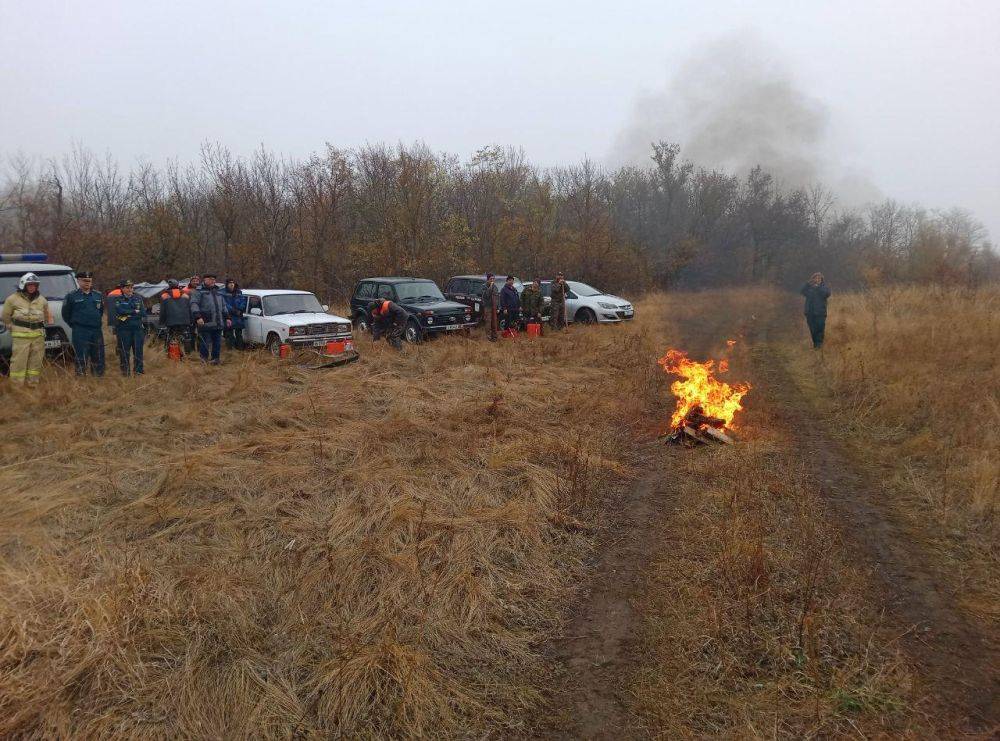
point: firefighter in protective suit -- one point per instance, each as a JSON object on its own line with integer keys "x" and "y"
{"x": 25, "y": 313}
{"x": 388, "y": 320}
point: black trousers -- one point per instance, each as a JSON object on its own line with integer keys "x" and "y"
{"x": 817, "y": 326}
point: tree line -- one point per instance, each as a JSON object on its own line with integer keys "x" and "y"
{"x": 323, "y": 222}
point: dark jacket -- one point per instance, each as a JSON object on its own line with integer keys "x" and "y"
{"x": 129, "y": 312}
{"x": 491, "y": 297}
{"x": 175, "y": 308}
{"x": 816, "y": 298}
{"x": 510, "y": 300}
{"x": 531, "y": 301}
{"x": 559, "y": 292}
{"x": 234, "y": 302}
{"x": 395, "y": 316}
{"x": 81, "y": 309}
{"x": 208, "y": 304}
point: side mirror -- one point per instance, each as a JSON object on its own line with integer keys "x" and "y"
{"x": 326, "y": 307}
{"x": 256, "y": 312}
{"x": 570, "y": 294}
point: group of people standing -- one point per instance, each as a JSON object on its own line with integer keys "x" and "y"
{"x": 202, "y": 313}
{"x": 506, "y": 308}
{"x": 199, "y": 312}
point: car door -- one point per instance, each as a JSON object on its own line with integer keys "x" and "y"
{"x": 455, "y": 290}
{"x": 573, "y": 302}
{"x": 363, "y": 295}
{"x": 254, "y": 321}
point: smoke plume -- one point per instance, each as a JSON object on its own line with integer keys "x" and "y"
{"x": 733, "y": 105}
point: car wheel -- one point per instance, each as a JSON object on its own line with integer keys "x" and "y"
{"x": 274, "y": 344}
{"x": 412, "y": 332}
{"x": 361, "y": 323}
{"x": 586, "y": 316}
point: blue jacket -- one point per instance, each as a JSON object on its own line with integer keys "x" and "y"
{"x": 234, "y": 303}
{"x": 81, "y": 309}
{"x": 510, "y": 299}
{"x": 129, "y": 312}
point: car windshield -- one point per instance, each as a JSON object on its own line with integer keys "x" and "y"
{"x": 425, "y": 290}
{"x": 582, "y": 289}
{"x": 292, "y": 303}
{"x": 53, "y": 285}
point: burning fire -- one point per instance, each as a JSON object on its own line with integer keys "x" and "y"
{"x": 699, "y": 393}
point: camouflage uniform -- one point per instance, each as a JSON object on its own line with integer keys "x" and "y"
{"x": 531, "y": 304}
{"x": 559, "y": 304}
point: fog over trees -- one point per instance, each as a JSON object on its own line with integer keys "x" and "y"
{"x": 324, "y": 222}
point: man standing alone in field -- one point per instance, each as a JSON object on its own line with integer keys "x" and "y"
{"x": 559, "y": 302}
{"x": 816, "y": 292}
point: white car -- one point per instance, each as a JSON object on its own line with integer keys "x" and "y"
{"x": 587, "y": 305}
{"x": 276, "y": 317}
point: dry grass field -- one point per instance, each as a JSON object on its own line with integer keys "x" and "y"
{"x": 259, "y": 550}
{"x": 912, "y": 378}
{"x": 392, "y": 548}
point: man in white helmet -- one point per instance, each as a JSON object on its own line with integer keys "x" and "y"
{"x": 25, "y": 313}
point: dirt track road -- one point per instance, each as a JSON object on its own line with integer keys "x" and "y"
{"x": 602, "y": 646}
{"x": 960, "y": 664}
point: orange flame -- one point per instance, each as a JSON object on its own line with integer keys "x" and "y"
{"x": 697, "y": 386}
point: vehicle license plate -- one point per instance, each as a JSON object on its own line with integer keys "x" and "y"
{"x": 319, "y": 343}
{"x": 454, "y": 326}
{"x": 52, "y": 344}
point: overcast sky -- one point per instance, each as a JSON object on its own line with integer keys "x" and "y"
{"x": 909, "y": 90}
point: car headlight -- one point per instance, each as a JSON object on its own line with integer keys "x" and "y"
{"x": 606, "y": 306}
{"x": 292, "y": 331}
